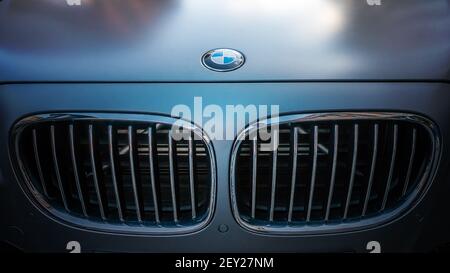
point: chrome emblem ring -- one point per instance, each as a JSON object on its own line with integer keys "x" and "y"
{"x": 223, "y": 59}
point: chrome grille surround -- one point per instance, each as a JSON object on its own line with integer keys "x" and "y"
{"x": 307, "y": 226}
{"x": 38, "y": 198}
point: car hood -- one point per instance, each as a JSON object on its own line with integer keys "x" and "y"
{"x": 289, "y": 40}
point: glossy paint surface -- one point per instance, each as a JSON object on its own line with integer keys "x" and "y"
{"x": 163, "y": 40}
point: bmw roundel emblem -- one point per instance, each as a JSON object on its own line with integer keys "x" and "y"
{"x": 223, "y": 59}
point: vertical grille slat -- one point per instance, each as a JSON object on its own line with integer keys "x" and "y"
{"x": 353, "y": 169}
{"x": 38, "y": 164}
{"x": 56, "y": 166}
{"x": 117, "y": 172}
{"x": 155, "y": 188}
{"x": 254, "y": 173}
{"x": 391, "y": 167}
{"x": 274, "y": 181}
{"x": 75, "y": 170}
{"x": 173, "y": 190}
{"x": 191, "y": 176}
{"x": 294, "y": 171}
{"x": 411, "y": 160}
{"x": 335, "y": 137}
{"x": 94, "y": 172}
{"x": 112, "y": 159}
{"x": 331, "y": 171}
{"x": 313, "y": 173}
{"x": 372, "y": 169}
{"x": 131, "y": 148}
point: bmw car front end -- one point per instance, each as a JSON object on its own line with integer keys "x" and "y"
{"x": 224, "y": 126}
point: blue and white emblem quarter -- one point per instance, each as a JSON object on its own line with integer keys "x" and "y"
{"x": 223, "y": 59}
